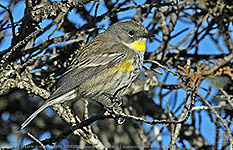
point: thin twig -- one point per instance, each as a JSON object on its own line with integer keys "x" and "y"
{"x": 36, "y": 140}
{"x": 147, "y": 68}
{"x": 229, "y": 97}
{"x": 11, "y": 19}
{"x": 220, "y": 118}
{"x": 161, "y": 66}
{"x": 8, "y": 54}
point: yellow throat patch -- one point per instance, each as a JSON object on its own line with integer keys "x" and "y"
{"x": 124, "y": 65}
{"x": 140, "y": 46}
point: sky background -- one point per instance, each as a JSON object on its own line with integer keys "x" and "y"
{"x": 207, "y": 46}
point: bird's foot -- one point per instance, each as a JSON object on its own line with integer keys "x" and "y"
{"x": 116, "y": 112}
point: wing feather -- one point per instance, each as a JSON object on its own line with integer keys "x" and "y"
{"x": 85, "y": 67}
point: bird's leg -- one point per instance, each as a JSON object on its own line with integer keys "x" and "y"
{"x": 115, "y": 108}
{"x": 115, "y": 100}
{"x": 115, "y": 113}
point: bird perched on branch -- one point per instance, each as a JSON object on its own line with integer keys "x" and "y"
{"x": 103, "y": 69}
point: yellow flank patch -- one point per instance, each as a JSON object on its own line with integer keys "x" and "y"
{"x": 125, "y": 65}
{"x": 140, "y": 46}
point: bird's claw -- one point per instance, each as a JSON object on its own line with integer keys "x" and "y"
{"x": 115, "y": 112}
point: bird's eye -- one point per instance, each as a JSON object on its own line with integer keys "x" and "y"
{"x": 131, "y": 33}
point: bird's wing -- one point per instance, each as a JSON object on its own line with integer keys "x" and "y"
{"x": 87, "y": 67}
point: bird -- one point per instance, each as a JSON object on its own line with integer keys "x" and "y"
{"x": 103, "y": 69}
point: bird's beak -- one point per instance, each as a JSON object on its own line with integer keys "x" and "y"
{"x": 150, "y": 36}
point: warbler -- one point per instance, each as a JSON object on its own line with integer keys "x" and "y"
{"x": 103, "y": 69}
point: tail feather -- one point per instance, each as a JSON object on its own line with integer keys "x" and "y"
{"x": 30, "y": 118}
{"x": 52, "y": 100}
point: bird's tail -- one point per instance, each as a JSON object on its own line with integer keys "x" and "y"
{"x": 30, "y": 118}
{"x": 52, "y": 100}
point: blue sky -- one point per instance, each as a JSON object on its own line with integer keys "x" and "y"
{"x": 207, "y": 46}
